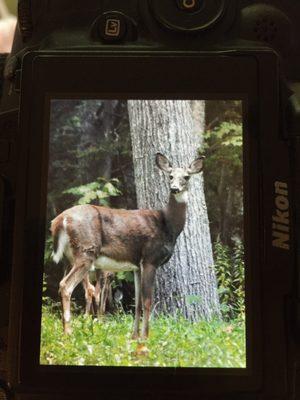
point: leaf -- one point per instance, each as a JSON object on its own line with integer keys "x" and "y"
{"x": 100, "y": 189}
{"x": 87, "y": 198}
{"x": 111, "y": 189}
{"x": 75, "y": 120}
{"x": 223, "y": 290}
{"x": 82, "y": 189}
{"x": 101, "y": 194}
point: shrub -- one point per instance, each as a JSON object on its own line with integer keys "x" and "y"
{"x": 230, "y": 271}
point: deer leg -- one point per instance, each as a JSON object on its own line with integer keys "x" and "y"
{"x": 89, "y": 292}
{"x": 109, "y": 300}
{"x": 104, "y": 294}
{"x": 98, "y": 289}
{"x": 66, "y": 287}
{"x": 138, "y": 304}
{"x": 148, "y": 275}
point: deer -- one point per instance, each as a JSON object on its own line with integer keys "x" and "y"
{"x": 96, "y": 297}
{"x": 110, "y": 239}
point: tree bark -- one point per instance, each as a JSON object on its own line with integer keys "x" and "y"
{"x": 186, "y": 284}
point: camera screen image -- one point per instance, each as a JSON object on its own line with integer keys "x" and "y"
{"x": 144, "y": 260}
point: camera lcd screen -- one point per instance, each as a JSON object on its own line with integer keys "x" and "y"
{"x": 147, "y": 191}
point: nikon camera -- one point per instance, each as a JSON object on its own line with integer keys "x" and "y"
{"x": 150, "y": 162}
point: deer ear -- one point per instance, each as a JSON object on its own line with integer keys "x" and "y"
{"x": 196, "y": 166}
{"x": 163, "y": 163}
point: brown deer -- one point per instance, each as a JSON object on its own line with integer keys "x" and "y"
{"x": 122, "y": 240}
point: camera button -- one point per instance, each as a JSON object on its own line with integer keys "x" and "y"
{"x": 112, "y": 27}
{"x": 190, "y": 5}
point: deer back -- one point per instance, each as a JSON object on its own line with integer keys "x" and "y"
{"x": 123, "y": 235}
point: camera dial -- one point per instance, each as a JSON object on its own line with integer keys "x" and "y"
{"x": 188, "y": 15}
{"x": 190, "y": 5}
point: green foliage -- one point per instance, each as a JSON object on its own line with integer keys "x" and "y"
{"x": 227, "y": 133}
{"x": 230, "y": 271}
{"x": 44, "y": 298}
{"x": 48, "y": 250}
{"x": 173, "y": 342}
{"x": 99, "y": 191}
{"x": 123, "y": 276}
{"x": 88, "y": 139}
{"x": 223, "y": 147}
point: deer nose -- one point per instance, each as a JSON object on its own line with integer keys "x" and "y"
{"x": 175, "y": 190}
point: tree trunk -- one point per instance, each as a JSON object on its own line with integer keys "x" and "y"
{"x": 186, "y": 284}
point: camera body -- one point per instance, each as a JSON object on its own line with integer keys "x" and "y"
{"x": 139, "y": 49}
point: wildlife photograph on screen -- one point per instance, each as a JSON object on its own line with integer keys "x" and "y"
{"x": 144, "y": 260}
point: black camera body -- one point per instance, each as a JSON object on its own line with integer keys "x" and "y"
{"x": 165, "y": 49}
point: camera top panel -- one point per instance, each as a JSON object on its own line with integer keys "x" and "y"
{"x": 160, "y": 25}
{"x": 114, "y": 20}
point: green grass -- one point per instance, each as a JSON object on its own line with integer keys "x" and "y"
{"x": 173, "y": 342}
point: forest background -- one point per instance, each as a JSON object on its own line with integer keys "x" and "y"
{"x": 91, "y": 162}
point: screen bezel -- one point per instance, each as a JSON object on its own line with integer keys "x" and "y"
{"x": 56, "y": 77}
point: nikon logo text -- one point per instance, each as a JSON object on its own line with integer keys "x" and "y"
{"x": 281, "y": 221}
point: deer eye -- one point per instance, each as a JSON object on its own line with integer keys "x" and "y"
{"x": 187, "y": 177}
{"x": 171, "y": 176}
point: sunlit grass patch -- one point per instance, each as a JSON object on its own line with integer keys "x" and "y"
{"x": 173, "y": 342}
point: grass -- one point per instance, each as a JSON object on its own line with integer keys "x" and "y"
{"x": 173, "y": 342}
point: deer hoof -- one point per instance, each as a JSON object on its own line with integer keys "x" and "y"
{"x": 141, "y": 350}
{"x": 67, "y": 330}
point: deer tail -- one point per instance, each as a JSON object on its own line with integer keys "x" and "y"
{"x": 60, "y": 238}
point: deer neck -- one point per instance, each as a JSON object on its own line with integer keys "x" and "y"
{"x": 175, "y": 214}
